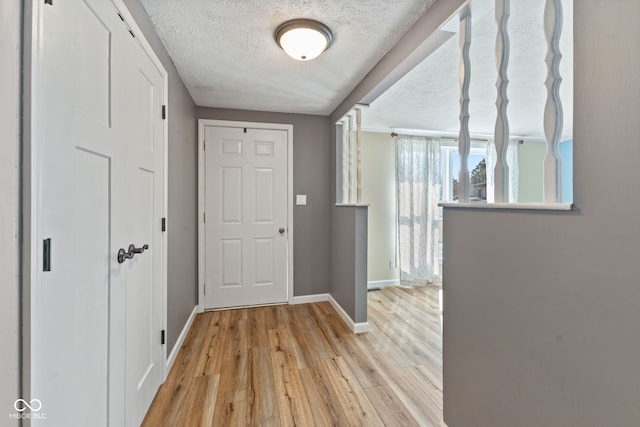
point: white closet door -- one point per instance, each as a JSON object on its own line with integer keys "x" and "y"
{"x": 95, "y": 323}
{"x": 144, "y": 195}
{"x": 246, "y": 216}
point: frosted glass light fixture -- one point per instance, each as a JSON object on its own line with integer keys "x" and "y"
{"x": 303, "y": 39}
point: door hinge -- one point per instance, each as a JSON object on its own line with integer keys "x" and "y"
{"x": 48, "y": 2}
{"x": 163, "y": 225}
{"x": 245, "y": 130}
{"x": 204, "y": 288}
{"x": 204, "y": 217}
{"x": 204, "y": 145}
{"x": 162, "y": 336}
{"x": 164, "y": 112}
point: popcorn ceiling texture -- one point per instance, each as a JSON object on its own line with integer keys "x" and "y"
{"x": 226, "y": 54}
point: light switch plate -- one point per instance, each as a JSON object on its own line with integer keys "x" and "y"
{"x": 301, "y": 199}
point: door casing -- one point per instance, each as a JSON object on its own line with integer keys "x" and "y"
{"x": 202, "y": 123}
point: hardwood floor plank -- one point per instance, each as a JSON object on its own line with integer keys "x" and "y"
{"x": 293, "y": 404}
{"x": 358, "y": 409}
{"x": 390, "y": 409}
{"x": 260, "y": 321}
{"x": 197, "y": 410}
{"x": 262, "y": 403}
{"x": 326, "y": 410}
{"x": 230, "y": 414}
{"x": 300, "y": 365}
{"x": 411, "y": 391}
{"x": 219, "y": 320}
{"x": 319, "y": 321}
{"x": 306, "y": 355}
{"x": 235, "y": 366}
{"x": 231, "y": 399}
{"x": 364, "y": 371}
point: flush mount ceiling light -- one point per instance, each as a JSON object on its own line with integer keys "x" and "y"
{"x": 303, "y": 39}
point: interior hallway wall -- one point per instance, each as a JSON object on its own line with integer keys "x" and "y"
{"x": 311, "y": 165}
{"x": 541, "y": 328}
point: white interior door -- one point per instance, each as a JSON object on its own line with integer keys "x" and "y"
{"x": 97, "y": 187}
{"x": 144, "y": 152}
{"x": 246, "y": 216}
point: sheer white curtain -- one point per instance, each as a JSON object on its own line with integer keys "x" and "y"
{"x": 419, "y": 187}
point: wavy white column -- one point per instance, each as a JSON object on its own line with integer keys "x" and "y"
{"x": 358, "y": 155}
{"x": 351, "y": 192}
{"x": 345, "y": 164}
{"x": 464, "y": 139}
{"x": 501, "y": 133}
{"x": 553, "y": 114}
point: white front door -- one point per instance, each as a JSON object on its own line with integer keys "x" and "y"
{"x": 245, "y": 216}
{"x": 97, "y": 171}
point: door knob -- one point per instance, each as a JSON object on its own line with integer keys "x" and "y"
{"x": 281, "y": 230}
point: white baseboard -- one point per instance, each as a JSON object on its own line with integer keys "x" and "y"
{"x": 356, "y": 328}
{"x": 178, "y": 345}
{"x": 382, "y": 283}
{"x": 307, "y": 299}
{"x": 361, "y": 328}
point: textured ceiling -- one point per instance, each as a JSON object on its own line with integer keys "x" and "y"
{"x": 427, "y": 98}
{"x": 225, "y": 52}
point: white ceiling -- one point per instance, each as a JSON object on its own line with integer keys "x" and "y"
{"x": 225, "y": 52}
{"x": 427, "y": 98}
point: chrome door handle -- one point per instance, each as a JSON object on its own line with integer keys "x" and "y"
{"x": 123, "y": 256}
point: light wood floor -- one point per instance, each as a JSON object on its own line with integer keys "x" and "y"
{"x": 299, "y": 365}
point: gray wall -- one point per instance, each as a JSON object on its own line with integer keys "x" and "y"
{"x": 542, "y": 310}
{"x": 182, "y": 270}
{"x": 311, "y": 164}
{"x": 349, "y": 260}
{"x": 10, "y": 45}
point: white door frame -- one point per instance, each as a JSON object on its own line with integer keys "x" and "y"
{"x": 31, "y": 174}
{"x": 202, "y": 123}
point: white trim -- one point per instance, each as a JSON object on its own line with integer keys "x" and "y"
{"x": 202, "y": 123}
{"x": 361, "y": 328}
{"x": 507, "y": 206}
{"x": 308, "y": 299}
{"x": 201, "y": 206}
{"x": 374, "y": 284}
{"x": 178, "y": 345}
{"x": 356, "y": 328}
